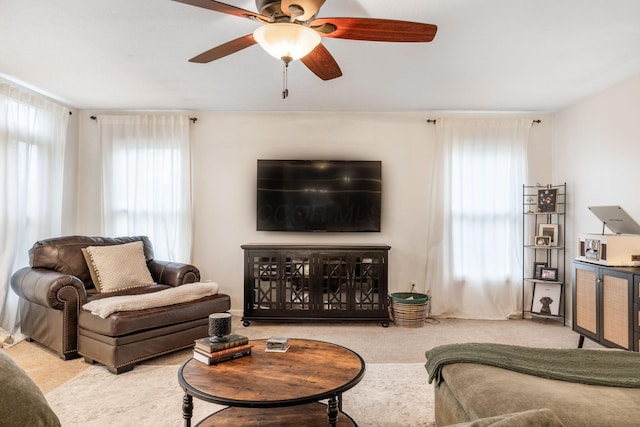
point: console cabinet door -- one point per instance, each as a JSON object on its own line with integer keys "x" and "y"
{"x": 369, "y": 284}
{"x": 353, "y": 283}
{"x": 585, "y": 300}
{"x": 334, "y": 283}
{"x": 262, "y": 282}
{"x": 295, "y": 286}
{"x": 278, "y": 282}
{"x": 617, "y": 301}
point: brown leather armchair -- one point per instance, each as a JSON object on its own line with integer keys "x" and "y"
{"x": 58, "y": 283}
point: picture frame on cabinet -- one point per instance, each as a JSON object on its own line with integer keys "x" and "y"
{"x": 547, "y": 200}
{"x": 543, "y": 241}
{"x": 546, "y": 299}
{"x": 592, "y": 249}
{"x": 550, "y": 230}
{"x": 550, "y": 274}
{"x": 537, "y": 268}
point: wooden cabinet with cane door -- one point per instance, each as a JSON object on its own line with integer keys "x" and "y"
{"x": 604, "y": 308}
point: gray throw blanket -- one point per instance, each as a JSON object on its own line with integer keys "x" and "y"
{"x": 615, "y": 368}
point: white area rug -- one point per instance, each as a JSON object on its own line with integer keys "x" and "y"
{"x": 390, "y": 395}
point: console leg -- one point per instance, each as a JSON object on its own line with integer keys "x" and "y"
{"x": 581, "y": 341}
{"x": 187, "y": 409}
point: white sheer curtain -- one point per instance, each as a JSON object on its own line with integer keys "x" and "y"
{"x": 146, "y": 181}
{"x": 32, "y": 138}
{"x": 474, "y": 263}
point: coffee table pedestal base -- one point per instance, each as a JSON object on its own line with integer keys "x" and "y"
{"x": 309, "y": 415}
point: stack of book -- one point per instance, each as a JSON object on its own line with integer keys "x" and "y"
{"x": 211, "y": 353}
{"x": 277, "y": 344}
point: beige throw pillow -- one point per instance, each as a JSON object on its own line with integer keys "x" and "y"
{"x": 119, "y": 267}
{"x": 92, "y": 270}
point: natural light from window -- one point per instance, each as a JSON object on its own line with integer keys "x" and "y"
{"x": 481, "y": 210}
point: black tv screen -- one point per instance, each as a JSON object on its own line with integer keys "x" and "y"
{"x": 319, "y": 195}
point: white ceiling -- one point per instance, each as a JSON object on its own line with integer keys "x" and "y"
{"x": 498, "y": 55}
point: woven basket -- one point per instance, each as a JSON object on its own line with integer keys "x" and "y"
{"x": 408, "y": 309}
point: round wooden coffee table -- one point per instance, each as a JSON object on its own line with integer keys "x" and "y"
{"x": 283, "y": 387}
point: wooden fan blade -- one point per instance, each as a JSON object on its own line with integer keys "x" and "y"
{"x": 321, "y": 63}
{"x": 372, "y": 29}
{"x": 216, "y": 6}
{"x": 225, "y": 49}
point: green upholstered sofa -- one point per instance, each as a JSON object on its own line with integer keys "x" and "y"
{"x": 492, "y": 385}
{"x": 21, "y": 401}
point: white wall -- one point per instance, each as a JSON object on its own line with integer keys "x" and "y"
{"x": 596, "y": 147}
{"x": 225, "y": 149}
{"x": 596, "y": 151}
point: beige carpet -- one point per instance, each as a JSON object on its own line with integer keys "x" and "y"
{"x": 394, "y": 391}
{"x": 389, "y": 395}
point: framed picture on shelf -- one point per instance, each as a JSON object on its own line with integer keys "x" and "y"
{"x": 530, "y": 202}
{"x": 543, "y": 241}
{"x": 546, "y": 299}
{"x": 537, "y": 268}
{"x": 550, "y": 230}
{"x": 547, "y": 273}
{"x": 547, "y": 200}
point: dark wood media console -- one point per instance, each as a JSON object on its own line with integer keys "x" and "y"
{"x": 315, "y": 282}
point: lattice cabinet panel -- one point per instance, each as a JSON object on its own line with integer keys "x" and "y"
{"x": 296, "y": 283}
{"x": 335, "y": 282}
{"x": 367, "y": 284}
{"x": 265, "y": 283}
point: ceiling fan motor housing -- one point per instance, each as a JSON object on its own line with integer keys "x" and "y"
{"x": 303, "y": 10}
{"x": 268, "y": 7}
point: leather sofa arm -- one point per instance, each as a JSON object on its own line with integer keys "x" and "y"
{"x": 48, "y": 288}
{"x": 173, "y": 273}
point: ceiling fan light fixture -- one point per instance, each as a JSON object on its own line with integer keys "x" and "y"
{"x": 286, "y": 41}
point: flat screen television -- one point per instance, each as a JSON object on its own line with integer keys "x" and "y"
{"x": 319, "y": 195}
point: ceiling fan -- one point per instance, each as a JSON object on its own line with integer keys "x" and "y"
{"x": 291, "y": 31}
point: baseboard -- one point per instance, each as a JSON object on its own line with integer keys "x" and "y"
{"x": 236, "y": 312}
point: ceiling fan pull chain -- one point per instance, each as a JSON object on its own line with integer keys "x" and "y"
{"x": 285, "y": 89}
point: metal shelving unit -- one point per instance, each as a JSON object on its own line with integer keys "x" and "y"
{"x": 543, "y": 254}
